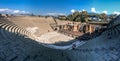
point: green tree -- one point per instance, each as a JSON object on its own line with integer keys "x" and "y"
{"x": 79, "y": 16}
{"x": 104, "y": 17}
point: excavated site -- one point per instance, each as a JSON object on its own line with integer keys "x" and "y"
{"x": 31, "y": 38}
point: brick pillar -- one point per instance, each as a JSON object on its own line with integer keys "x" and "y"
{"x": 75, "y": 28}
{"x": 65, "y": 27}
{"x": 90, "y": 29}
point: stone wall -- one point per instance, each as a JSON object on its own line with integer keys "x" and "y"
{"x": 17, "y": 44}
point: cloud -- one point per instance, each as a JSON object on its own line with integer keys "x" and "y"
{"x": 80, "y": 11}
{"x": 72, "y": 11}
{"x": 116, "y": 12}
{"x": 93, "y": 10}
{"x": 105, "y": 12}
{"x": 18, "y": 11}
{"x": 55, "y": 14}
{"x": 11, "y": 11}
{"x": 83, "y": 10}
{"x": 3, "y": 10}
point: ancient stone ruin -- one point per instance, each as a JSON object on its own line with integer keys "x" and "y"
{"x": 18, "y": 44}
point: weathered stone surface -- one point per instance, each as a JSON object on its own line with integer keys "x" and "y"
{"x": 15, "y": 47}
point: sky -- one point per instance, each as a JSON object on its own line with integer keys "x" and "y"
{"x": 61, "y": 7}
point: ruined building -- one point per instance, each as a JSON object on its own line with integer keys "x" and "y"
{"x": 17, "y": 44}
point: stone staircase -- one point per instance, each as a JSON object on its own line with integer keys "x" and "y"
{"x": 13, "y": 40}
{"x": 17, "y": 44}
